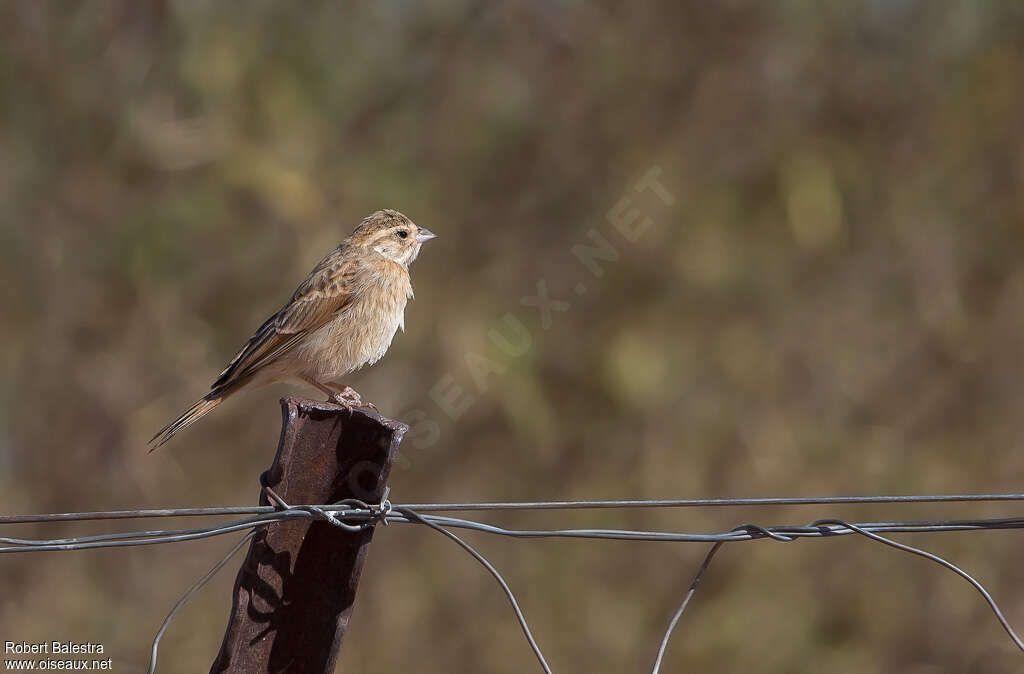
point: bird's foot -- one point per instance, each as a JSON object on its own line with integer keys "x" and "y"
{"x": 350, "y": 399}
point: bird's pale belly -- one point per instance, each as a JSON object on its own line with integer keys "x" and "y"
{"x": 357, "y": 337}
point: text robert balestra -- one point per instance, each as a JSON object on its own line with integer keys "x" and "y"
{"x": 51, "y": 647}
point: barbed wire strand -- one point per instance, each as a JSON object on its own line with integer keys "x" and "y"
{"x": 715, "y": 502}
{"x": 870, "y": 535}
{"x": 682, "y": 607}
{"x": 943, "y": 562}
{"x": 188, "y": 595}
{"x": 530, "y": 505}
{"x": 497, "y": 576}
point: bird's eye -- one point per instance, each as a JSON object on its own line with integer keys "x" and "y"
{"x": 402, "y": 234}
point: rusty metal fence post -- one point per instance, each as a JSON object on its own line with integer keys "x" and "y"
{"x": 293, "y": 596}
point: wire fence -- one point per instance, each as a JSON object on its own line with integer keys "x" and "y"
{"x": 355, "y": 515}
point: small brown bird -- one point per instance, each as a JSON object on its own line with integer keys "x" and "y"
{"x": 342, "y": 317}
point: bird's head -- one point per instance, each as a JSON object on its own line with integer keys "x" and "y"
{"x": 392, "y": 235}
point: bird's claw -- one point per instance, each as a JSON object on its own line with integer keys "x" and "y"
{"x": 350, "y": 399}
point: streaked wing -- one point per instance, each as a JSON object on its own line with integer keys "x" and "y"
{"x": 327, "y": 291}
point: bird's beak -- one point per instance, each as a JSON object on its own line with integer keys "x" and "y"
{"x": 425, "y": 235}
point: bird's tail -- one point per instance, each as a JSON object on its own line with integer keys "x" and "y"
{"x": 193, "y": 414}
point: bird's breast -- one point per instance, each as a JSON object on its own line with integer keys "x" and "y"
{"x": 361, "y": 334}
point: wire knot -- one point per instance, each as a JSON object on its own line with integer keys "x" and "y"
{"x": 383, "y": 509}
{"x": 372, "y": 514}
{"x": 316, "y": 511}
{"x": 757, "y": 531}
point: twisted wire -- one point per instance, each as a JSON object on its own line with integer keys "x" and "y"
{"x": 354, "y": 518}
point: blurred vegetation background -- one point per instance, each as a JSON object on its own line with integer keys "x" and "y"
{"x": 831, "y": 305}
